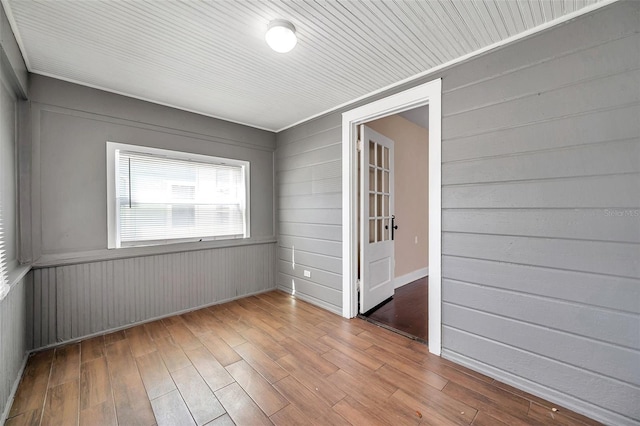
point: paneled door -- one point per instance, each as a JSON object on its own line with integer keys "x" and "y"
{"x": 377, "y": 222}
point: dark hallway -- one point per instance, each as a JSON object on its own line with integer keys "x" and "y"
{"x": 407, "y": 311}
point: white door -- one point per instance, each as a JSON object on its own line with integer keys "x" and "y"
{"x": 376, "y": 223}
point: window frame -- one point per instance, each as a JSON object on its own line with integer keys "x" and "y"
{"x": 113, "y": 227}
{"x": 8, "y": 228}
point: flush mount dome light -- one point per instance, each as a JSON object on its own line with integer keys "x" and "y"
{"x": 281, "y": 36}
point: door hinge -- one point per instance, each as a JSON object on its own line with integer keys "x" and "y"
{"x": 359, "y": 283}
{"x": 359, "y": 145}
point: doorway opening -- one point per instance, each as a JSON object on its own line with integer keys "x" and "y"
{"x": 396, "y": 212}
{"x": 428, "y": 94}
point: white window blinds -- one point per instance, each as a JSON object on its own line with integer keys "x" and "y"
{"x": 163, "y": 199}
{"x": 4, "y": 286}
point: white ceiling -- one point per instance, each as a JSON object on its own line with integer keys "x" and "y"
{"x": 211, "y": 58}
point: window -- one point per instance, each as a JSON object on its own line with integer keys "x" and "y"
{"x": 158, "y": 196}
{"x": 4, "y": 285}
{"x": 8, "y": 181}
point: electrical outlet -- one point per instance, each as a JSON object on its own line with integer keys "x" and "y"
{"x": 307, "y": 273}
{"x": 416, "y": 239}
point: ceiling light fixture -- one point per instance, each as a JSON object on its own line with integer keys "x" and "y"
{"x": 281, "y": 36}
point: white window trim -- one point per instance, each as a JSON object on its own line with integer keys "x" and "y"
{"x": 112, "y": 216}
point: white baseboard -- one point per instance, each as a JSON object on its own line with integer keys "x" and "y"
{"x": 410, "y": 277}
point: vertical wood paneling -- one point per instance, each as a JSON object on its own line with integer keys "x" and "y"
{"x": 73, "y": 301}
{"x": 13, "y": 345}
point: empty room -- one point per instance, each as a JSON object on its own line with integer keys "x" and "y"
{"x": 302, "y": 212}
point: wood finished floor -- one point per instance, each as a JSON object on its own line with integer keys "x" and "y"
{"x": 266, "y": 359}
{"x": 407, "y": 311}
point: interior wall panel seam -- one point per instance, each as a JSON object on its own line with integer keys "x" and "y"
{"x": 541, "y": 121}
{"x": 543, "y": 237}
{"x": 535, "y": 94}
{"x": 550, "y": 359}
{"x": 562, "y": 148}
{"x": 548, "y": 59}
{"x": 540, "y": 179}
{"x": 555, "y": 329}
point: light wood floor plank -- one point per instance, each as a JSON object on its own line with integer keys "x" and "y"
{"x": 220, "y": 349}
{"x": 223, "y": 420}
{"x": 200, "y": 400}
{"x": 92, "y": 348}
{"x": 156, "y": 330}
{"x": 61, "y": 407}
{"x": 361, "y": 356}
{"x": 410, "y": 368}
{"x": 309, "y": 403}
{"x": 363, "y": 391}
{"x": 209, "y": 368}
{"x": 258, "y": 388}
{"x": 114, "y": 337}
{"x": 240, "y": 407}
{"x": 450, "y": 407}
{"x": 184, "y": 337}
{"x": 66, "y": 365}
{"x": 196, "y": 322}
{"x": 95, "y": 386}
{"x": 433, "y": 412}
{"x": 29, "y": 418}
{"x": 103, "y": 414}
{"x": 312, "y": 380}
{"x": 230, "y": 336}
{"x": 358, "y": 413}
{"x": 172, "y": 354}
{"x": 265, "y": 343}
{"x": 308, "y": 357}
{"x": 130, "y": 397}
{"x": 261, "y": 362}
{"x": 155, "y": 375}
{"x": 170, "y": 410}
{"x": 32, "y": 390}
{"x": 139, "y": 341}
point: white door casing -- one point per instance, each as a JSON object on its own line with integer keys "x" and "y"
{"x": 426, "y": 94}
{"x": 376, "y": 224}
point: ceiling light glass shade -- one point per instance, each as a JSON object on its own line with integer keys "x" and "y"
{"x": 281, "y": 36}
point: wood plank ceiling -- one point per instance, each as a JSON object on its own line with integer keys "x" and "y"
{"x": 211, "y": 58}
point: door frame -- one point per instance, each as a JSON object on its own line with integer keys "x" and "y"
{"x": 425, "y": 94}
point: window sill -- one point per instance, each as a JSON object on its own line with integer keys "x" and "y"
{"x": 52, "y": 260}
{"x": 15, "y": 276}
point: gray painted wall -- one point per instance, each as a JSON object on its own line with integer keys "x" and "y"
{"x": 80, "y": 287}
{"x": 70, "y": 127}
{"x": 308, "y": 173}
{"x": 541, "y": 213}
{"x": 13, "y": 345}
